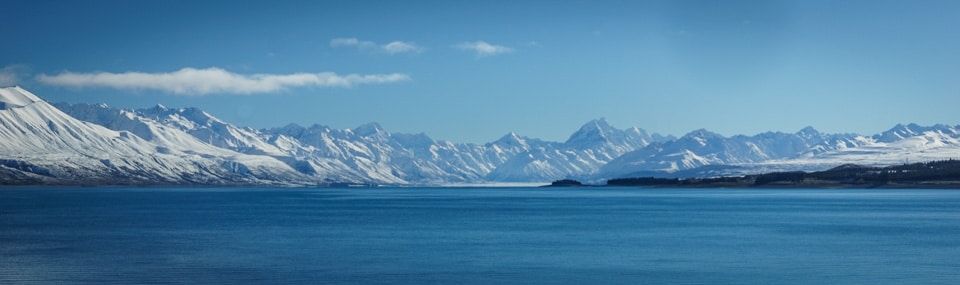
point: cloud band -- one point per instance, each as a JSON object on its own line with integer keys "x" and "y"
{"x": 483, "y": 48}
{"x": 10, "y": 75}
{"x": 192, "y": 81}
{"x": 394, "y": 47}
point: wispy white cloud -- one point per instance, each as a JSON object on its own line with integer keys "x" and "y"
{"x": 192, "y": 81}
{"x": 483, "y": 48}
{"x": 401, "y": 47}
{"x": 351, "y": 42}
{"x": 10, "y": 74}
{"x": 393, "y": 47}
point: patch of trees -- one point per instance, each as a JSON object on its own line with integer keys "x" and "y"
{"x": 935, "y": 172}
{"x": 654, "y": 181}
{"x": 566, "y": 182}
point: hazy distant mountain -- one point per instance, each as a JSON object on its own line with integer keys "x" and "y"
{"x": 702, "y": 148}
{"x": 699, "y": 153}
{"x": 593, "y": 145}
{"x": 82, "y": 143}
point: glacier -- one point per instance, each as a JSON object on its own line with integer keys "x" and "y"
{"x": 96, "y": 144}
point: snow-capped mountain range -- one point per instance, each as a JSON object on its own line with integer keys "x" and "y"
{"x": 96, "y": 144}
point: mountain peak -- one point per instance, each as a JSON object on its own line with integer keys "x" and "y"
{"x": 914, "y": 126}
{"x": 369, "y": 129}
{"x": 702, "y": 133}
{"x": 808, "y": 133}
{"x": 511, "y": 139}
{"x": 512, "y": 136}
{"x": 291, "y": 129}
{"x": 597, "y": 124}
{"x": 421, "y": 140}
{"x": 896, "y": 133}
{"x": 808, "y": 130}
{"x": 197, "y": 115}
{"x": 13, "y": 97}
{"x": 597, "y": 130}
{"x": 901, "y": 131}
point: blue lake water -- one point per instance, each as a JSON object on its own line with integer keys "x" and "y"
{"x": 477, "y": 236}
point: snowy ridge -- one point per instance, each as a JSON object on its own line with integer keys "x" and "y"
{"x": 81, "y": 143}
{"x": 43, "y": 142}
{"x": 697, "y": 153}
{"x": 595, "y": 144}
{"x": 370, "y": 154}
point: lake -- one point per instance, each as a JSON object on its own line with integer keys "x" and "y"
{"x": 117, "y": 235}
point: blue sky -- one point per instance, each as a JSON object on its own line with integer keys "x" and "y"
{"x": 473, "y": 71}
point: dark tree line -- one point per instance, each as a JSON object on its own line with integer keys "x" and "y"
{"x": 944, "y": 171}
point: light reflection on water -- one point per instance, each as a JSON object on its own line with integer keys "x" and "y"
{"x": 477, "y": 236}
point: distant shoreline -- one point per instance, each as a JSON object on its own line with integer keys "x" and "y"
{"x": 950, "y": 186}
{"x": 926, "y": 175}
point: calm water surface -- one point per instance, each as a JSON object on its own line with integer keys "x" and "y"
{"x": 477, "y": 236}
